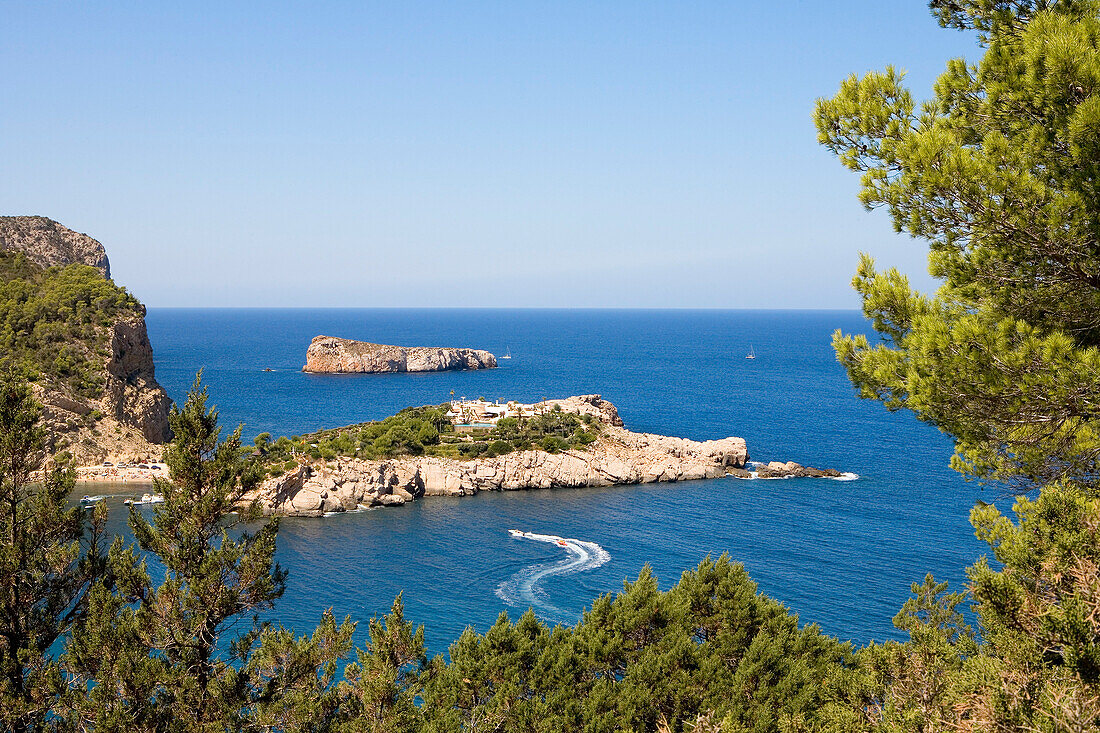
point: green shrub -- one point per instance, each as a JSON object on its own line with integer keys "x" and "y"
{"x": 553, "y": 444}
{"x": 499, "y": 448}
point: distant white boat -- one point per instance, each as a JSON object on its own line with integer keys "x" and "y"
{"x": 507, "y": 354}
{"x": 751, "y": 354}
{"x": 516, "y": 533}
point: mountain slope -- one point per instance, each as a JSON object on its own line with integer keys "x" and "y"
{"x": 81, "y": 340}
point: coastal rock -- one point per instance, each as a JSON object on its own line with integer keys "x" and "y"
{"x": 331, "y": 355}
{"x": 619, "y": 456}
{"x": 47, "y": 243}
{"x": 790, "y": 469}
{"x": 132, "y": 393}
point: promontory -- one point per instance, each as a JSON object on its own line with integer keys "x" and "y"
{"x": 449, "y": 450}
{"x": 331, "y": 355}
{"x": 81, "y": 341}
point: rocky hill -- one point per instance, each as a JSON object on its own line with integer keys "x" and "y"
{"x": 331, "y": 355}
{"x": 82, "y": 342}
{"x": 47, "y": 244}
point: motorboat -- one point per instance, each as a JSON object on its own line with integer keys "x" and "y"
{"x": 516, "y": 533}
{"x": 146, "y": 499}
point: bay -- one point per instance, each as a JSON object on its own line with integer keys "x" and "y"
{"x": 841, "y": 554}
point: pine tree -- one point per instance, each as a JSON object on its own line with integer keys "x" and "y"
{"x": 998, "y": 173}
{"x": 192, "y": 654}
{"x": 49, "y": 554}
{"x": 381, "y": 687}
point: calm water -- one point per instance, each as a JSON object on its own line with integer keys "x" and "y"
{"x": 839, "y": 553}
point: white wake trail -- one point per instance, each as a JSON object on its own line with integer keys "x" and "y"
{"x": 522, "y": 589}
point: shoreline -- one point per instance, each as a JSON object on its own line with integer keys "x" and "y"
{"x": 617, "y": 457}
{"x": 137, "y": 474}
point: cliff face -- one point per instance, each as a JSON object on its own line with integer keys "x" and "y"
{"x": 331, "y": 355}
{"x": 619, "y": 456}
{"x": 125, "y": 417}
{"x": 47, "y": 243}
{"x": 132, "y": 394}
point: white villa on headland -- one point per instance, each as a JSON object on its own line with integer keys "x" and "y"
{"x": 471, "y": 414}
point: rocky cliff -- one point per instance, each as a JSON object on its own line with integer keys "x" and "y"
{"x": 47, "y": 243}
{"x": 330, "y": 355}
{"x": 106, "y": 403}
{"x": 619, "y": 456}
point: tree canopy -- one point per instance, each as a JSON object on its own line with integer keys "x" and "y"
{"x": 998, "y": 174}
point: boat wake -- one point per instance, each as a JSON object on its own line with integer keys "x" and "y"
{"x": 523, "y": 589}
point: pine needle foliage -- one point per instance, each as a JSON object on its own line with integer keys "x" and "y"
{"x": 192, "y": 653}
{"x": 998, "y": 173}
{"x": 49, "y": 555}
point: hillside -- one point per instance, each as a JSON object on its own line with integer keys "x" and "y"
{"x": 81, "y": 340}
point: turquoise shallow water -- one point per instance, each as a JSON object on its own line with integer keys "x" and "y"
{"x": 841, "y": 554}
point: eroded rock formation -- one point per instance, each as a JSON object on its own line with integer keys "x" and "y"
{"x": 331, "y": 355}
{"x": 47, "y": 243}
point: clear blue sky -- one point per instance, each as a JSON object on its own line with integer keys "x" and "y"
{"x": 621, "y": 154}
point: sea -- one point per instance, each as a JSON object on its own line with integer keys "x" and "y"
{"x": 841, "y": 554}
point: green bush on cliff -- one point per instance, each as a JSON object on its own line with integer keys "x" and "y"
{"x": 54, "y": 321}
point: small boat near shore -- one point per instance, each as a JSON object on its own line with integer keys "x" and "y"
{"x": 146, "y": 499}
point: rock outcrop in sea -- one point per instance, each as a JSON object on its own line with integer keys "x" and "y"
{"x": 787, "y": 469}
{"x": 128, "y": 419}
{"x": 331, "y": 355}
{"x": 618, "y": 456}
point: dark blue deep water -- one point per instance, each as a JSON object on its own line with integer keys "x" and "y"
{"x": 841, "y": 554}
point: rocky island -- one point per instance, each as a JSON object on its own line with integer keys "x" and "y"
{"x": 331, "y": 355}
{"x": 313, "y": 487}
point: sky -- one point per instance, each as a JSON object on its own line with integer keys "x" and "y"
{"x": 439, "y": 154}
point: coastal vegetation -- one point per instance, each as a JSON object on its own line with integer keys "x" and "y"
{"x": 54, "y": 321}
{"x": 417, "y": 431}
{"x": 997, "y": 173}
{"x": 190, "y": 654}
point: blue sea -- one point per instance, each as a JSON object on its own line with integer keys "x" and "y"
{"x": 841, "y": 554}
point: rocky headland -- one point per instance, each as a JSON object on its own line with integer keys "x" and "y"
{"x": 48, "y": 244}
{"x": 115, "y": 410}
{"x": 619, "y": 456}
{"x": 331, "y": 355}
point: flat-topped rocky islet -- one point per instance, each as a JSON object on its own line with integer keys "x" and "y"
{"x": 332, "y": 355}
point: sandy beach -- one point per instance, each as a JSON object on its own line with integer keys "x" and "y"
{"x": 123, "y": 473}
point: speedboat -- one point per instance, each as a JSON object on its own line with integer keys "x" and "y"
{"x": 563, "y": 543}
{"x": 516, "y": 533}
